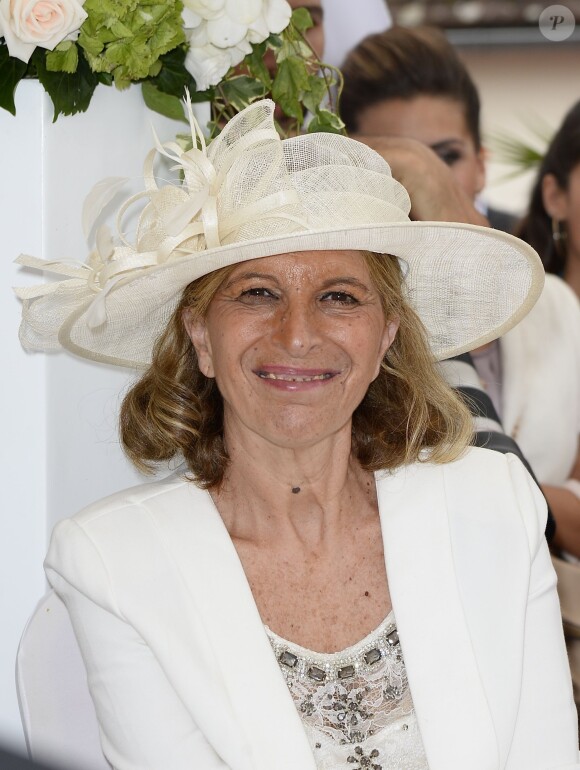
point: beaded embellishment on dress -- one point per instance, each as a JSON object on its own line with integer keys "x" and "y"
{"x": 355, "y": 704}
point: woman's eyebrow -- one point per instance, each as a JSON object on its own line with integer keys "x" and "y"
{"x": 444, "y": 144}
{"x": 329, "y": 282}
{"x": 250, "y": 276}
{"x": 348, "y": 280}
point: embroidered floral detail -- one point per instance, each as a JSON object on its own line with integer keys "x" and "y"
{"x": 364, "y": 761}
{"x": 359, "y": 714}
{"x": 349, "y": 708}
{"x": 307, "y": 706}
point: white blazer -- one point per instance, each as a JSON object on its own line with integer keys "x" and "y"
{"x": 172, "y": 638}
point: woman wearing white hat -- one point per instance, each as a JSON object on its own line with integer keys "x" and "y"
{"x": 311, "y": 590}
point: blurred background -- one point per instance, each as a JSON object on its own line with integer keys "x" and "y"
{"x": 527, "y": 75}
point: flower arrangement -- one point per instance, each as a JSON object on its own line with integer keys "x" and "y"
{"x": 216, "y": 49}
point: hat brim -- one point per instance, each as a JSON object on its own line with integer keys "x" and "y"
{"x": 469, "y": 285}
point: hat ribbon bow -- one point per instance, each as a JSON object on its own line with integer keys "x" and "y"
{"x": 195, "y": 215}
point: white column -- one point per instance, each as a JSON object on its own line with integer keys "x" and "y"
{"x": 60, "y": 449}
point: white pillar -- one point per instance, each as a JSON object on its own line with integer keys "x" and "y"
{"x": 60, "y": 449}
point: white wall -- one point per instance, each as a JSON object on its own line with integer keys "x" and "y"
{"x": 60, "y": 448}
{"x": 23, "y": 412}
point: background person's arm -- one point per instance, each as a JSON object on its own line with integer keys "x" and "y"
{"x": 434, "y": 192}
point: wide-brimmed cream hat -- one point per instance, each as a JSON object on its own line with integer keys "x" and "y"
{"x": 250, "y": 194}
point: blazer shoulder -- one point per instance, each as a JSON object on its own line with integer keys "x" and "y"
{"x": 119, "y": 530}
{"x": 143, "y": 495}
{"x": 501, "y": 482}
{"x": 483, "y": 485}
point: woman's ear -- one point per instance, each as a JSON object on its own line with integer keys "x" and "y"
{"x": 554, "y": 197}
{"x": 197, "y": 332}
{"x": 391, "y": 328}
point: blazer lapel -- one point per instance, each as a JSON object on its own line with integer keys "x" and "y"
{"x": 253, "y": 683}
{"x": 457, "y": 732}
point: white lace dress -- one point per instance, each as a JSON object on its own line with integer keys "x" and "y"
{"x": 355, "y": 704}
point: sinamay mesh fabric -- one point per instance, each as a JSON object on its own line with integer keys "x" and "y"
{"x": 249, "y": 195}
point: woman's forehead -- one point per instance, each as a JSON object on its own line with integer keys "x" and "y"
{"x": 307, "y": 263}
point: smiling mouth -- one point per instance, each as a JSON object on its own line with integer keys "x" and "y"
{"x": 295, "y": 377}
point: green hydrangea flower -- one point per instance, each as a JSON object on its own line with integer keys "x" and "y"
{"x": 125, "y": 38}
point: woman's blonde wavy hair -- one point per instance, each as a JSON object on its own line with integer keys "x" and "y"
{"x": 409, "y": 412}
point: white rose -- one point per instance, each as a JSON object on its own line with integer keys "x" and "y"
{"x": 225, "y": 32}
{"x": 190, "y": 19}
{"x": 27, "y": 24}
{"x": 261, "y": 17}
{"x": 206, "y": 9}
{"x": 277, "y": 14}
{"x": 243, "y": 11}
{"x": 219, "y": 33}
{"x": 208, "y": 64}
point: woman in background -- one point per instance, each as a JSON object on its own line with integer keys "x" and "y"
{"x": 410, "y": 83}
{"x": 552, "y": 223}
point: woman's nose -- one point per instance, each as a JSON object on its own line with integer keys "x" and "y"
{"x": 297, "y": 328}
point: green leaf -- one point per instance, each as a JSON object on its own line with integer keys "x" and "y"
{"x": 165, "y": 37}
{"x": 256, "y": 66}
{"x": 70, "y": 93}
{"x": 274, "y": 42}
{"x": 289, "y": 85}
{"x": 173, "y": 78}
{"x": 166, "y": 104}
{"x": 64, "y": 58}
{"x": 242, "y": 90}
{"x": 90, "y": 43}
{"x": 315, "y": 93}
{"x": 121, "y": 31}
{"x": 301, "y": 19}
{"x": 294, "y": 49}
{"x": 11, "y": 73}
{"x": 326, "y": 121}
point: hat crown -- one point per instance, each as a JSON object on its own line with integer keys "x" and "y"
{"x": 249, "y": 184}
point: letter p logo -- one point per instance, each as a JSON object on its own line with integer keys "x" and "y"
{"x": 556, "y": 23}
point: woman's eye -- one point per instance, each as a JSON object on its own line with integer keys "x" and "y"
{"x": 450, "y": 157}
{"x": 257, "y": 292}
{"x": 339, "y": 298}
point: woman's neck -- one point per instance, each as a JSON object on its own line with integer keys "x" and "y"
{"x": 268, "y": 489}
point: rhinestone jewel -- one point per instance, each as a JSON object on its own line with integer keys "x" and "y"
{"x": 372, "y": 656}
{"x": 346, "y": 672}
{"x": 288, "y": 659}
{"x": 316, "y": 673}
{"x": 393, "y": 638}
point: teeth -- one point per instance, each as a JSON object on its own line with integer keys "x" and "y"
{"x": 293, "y": 377}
